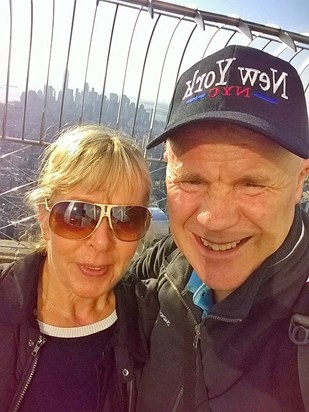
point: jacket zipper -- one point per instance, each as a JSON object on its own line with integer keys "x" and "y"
{"x": 197, "y": 328}
{"x": 183, "y": 302}
{"x": 177, "y": 401}
{"x": 130, "y": 384}
{"x": 223, "y": 319}
{"x": 35, "y": 353}
{"x": 197, "y": 336}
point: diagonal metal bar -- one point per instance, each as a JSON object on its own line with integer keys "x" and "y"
{"x": 5, "y": 109}
{"x": 160, "y": 80}
{"x": 126, "y": 68}
{"x": 107, "y": 63}
{"x": 42, "y": 129}
{"x": 143, "y": 71}
{"x": 67, "y": 66}
{"x": 180, "y": 64}
{"x": 210, "y": 40}
{"x": 176, "y": 9}
{"x": 87, "y": 63}
{"x": 28, "y": 72}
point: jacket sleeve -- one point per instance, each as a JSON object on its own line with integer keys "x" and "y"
{"x": 149, "y": 263}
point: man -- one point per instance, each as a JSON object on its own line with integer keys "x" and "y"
{"x": 237, "y": 145}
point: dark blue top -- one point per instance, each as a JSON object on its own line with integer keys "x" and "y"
{"x": 66, "y": 377}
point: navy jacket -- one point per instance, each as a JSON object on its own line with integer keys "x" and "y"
{"x": 237, "y": 359}
{"x": 21, "y": 340}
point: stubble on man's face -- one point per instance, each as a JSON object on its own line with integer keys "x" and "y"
{"x": 231, "y": 199}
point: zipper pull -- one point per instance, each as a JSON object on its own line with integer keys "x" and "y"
{"x": 38, "y": 345}
{"x": 197, "y": 336}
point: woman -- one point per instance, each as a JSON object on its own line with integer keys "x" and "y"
{"x": 70, "y": 339}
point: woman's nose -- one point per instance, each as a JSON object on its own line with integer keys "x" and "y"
{"x": 103, "y": 237}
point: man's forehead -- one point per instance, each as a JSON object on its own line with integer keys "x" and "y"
{"x": 217, "y": 133}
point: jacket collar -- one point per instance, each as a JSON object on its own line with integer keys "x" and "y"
{"x": 129, "y": 330}
{"x": 18, "y": 289}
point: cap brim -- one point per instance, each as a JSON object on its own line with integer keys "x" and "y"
{"x": 276, "y": 132}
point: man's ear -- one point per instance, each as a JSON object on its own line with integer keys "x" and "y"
{"x": 304, "y": 173}
{"x": 43, "y": 221}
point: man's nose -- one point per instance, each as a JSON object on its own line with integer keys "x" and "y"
{"x": 219, "y": 211}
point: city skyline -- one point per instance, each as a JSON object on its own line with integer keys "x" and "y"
{"x": 121, "y": 53}
{"x": 79, "y": 38}
{"x": 87, "y": 105}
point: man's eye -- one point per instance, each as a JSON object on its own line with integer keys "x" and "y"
{"x": 190, "y": 185}
{"x": 252, "y": 185}
{"x": 253, "y": 188}
{"x": 192, "y": 182}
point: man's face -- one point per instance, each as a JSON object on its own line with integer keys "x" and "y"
{"x": 231, "y": 199}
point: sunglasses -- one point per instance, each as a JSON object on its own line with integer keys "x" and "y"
{"x": 74, "y": 219}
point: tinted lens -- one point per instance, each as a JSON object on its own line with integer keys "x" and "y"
{"x": 74, "y": 220}
{"x": 130, "y": 222}
{"x": 77, "y": 220}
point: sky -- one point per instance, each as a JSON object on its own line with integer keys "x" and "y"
{"x": 291, "y": 15}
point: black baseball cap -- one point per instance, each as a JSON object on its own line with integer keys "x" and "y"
{"x": 247, "y": 87}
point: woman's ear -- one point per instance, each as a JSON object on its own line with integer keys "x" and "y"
{"x": 43, "y": 221}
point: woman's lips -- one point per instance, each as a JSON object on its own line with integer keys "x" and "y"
{"x": 95, "y": 271}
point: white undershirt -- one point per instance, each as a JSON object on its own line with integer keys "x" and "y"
{"x": 78, "y": 331}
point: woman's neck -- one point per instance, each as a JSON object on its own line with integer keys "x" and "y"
{"x": 59, "y": 307}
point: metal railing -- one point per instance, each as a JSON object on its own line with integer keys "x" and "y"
{"x": 108, "y": 61}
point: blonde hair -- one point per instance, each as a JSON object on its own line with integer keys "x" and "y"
{"x": 94, "y": 157}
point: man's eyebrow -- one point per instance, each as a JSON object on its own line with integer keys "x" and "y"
{"x": 256, "y": 177}
{"x": 184, "y": 174}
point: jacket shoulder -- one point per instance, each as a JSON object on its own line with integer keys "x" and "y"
{"x": 149, "y": 263}
{"x": 301, "y": 305}
{"x": 18, "y": 286}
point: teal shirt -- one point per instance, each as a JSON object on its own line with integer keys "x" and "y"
{"x": 202, "y": 294}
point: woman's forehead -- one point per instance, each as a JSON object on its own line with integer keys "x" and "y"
{"x": 119, "y": 194}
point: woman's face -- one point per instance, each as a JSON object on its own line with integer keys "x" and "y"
{"x": 91, "y": 267}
